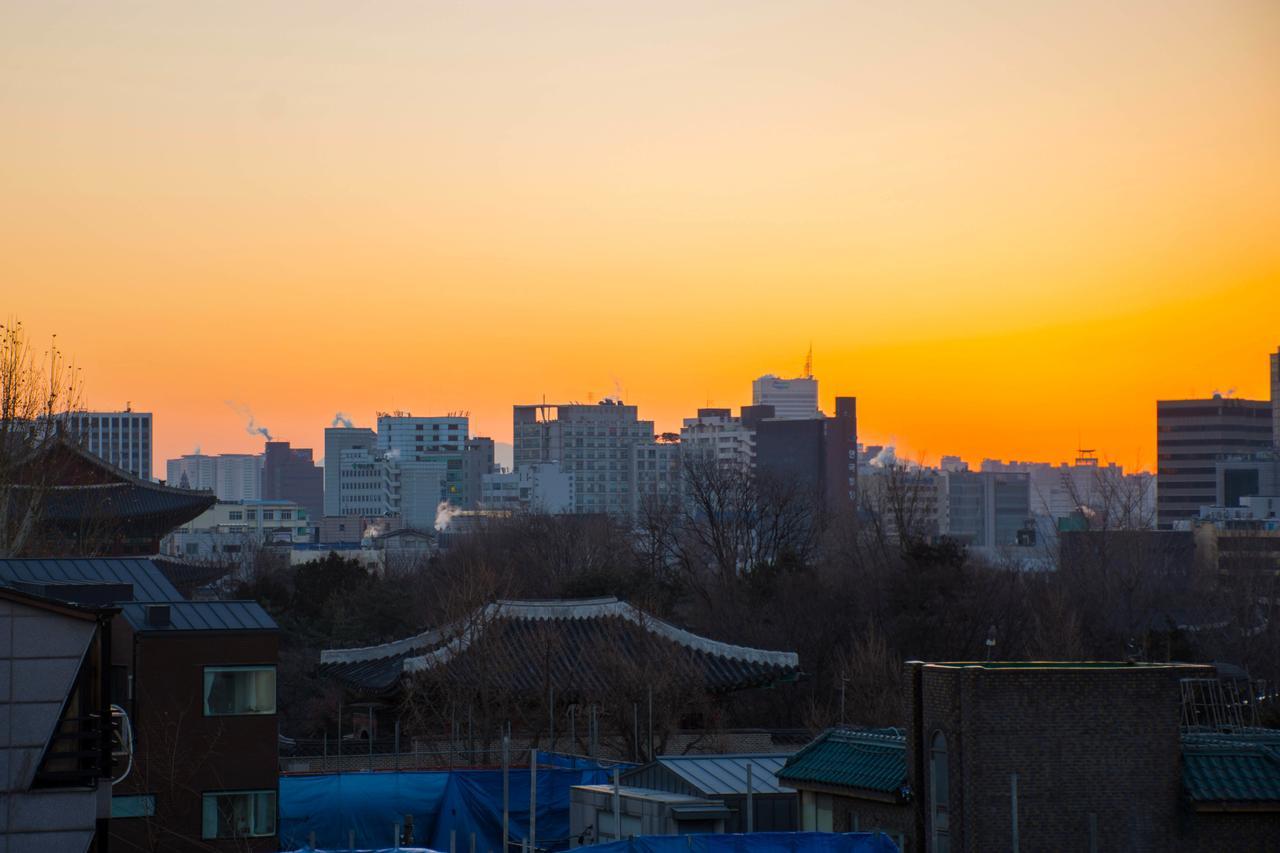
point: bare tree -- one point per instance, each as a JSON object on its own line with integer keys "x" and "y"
{"x": 36, "y": 394}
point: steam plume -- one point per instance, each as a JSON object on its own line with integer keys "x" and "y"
{"x": 341, "y": 420}
{"x": 251, "y": 426}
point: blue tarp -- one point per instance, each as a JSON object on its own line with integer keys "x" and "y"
{"x": 461, "y": 801}
{"x": 756, "y": 842}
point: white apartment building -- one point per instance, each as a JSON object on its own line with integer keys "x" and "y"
{"x": 792, "y": 399}
{"x": 540, "y": 487}
{"x": 717, "y": 434}
{"x": 595, "y": 444}
{"x": 121, "y": 438}
{"x": 236, "y": 530}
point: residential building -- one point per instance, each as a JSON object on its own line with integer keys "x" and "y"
{"x": 1192, "y": 437}
{"x": 790, "y": 398}
{"x": 989, "y": 510}
{"x": 540, "y": 487}
{"x": 290, "y": 474}
{"x": 338, "y": 440}
{"x": 656, "y": 475}
{"x": 197, "y": 683}
{"x": 594, "y": 443}
{"x": 593, "y": 810}
{"x": 715, "y": 434}
{"x": 230, "y": 476}
{"x": 121, "y": 438}
{"x": 55, "y": 753}
{"x": 1275, "y": 399}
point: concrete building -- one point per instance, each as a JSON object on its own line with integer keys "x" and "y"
{"x": 594, "y": 443}
{"x": 1275, "y": 398}
{"x": 541, "y": 487}
{"x": 234, "y": 531}
{"x": 121, "y": 438}
{"x": 904, "y": 500}
{"x": 790, "y": 398}
{"x": 594, "y": 811}
{"x": 988, "y": 510}
{"x": 338, "y": 440}
{"x": 53, "y": 697}
{"x": 1192, "y": 437}
{"x": 477, "y": 461}
{"x": 726, "y": 778}
{"x": 656, "y": 476}
{"x": 289, "y": 474}
{"x": 1111, "y": 498}
{"x": 230, "y": 476}
{"x": 414, "y": 489}
{"x": 360, "y": 474}
{"x": 717, "y": 435}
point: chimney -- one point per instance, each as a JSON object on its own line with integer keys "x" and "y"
{"x": 158, "y": 616}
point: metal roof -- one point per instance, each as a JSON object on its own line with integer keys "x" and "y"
{"x": 725, "y": 775}
{"x": 873, "y": 760}
{"x": 148, "y": 582}
{"x": 202, "y": 616}
{"x": 1231, "y": 768}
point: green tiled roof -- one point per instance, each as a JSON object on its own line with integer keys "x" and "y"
{"x": 873, "y": 760}
{"x": 1231, "y": 768}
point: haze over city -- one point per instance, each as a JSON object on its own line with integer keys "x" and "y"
{"x": 1007, "y": 228}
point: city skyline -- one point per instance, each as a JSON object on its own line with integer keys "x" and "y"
{"x": 1007, "y": 231}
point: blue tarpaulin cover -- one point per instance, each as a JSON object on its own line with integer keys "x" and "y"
{"x": 755, "y": 842}
{"x": 441, "y": 801}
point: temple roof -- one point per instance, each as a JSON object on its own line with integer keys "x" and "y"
{"x": 583, "y": 646}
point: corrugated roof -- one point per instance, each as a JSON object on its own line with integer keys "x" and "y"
{"x": 873, "y": 760}
{"x": 1231, "y": 768}
{"x": 149, "y": 583}
{"x": 725, "y": 775}
{"x": 203, "y": 616}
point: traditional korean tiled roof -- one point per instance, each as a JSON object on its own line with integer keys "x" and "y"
{"x": 581, "y": 646}
{"x": 871, "y": 760}
{"x": 1240, "y": 769}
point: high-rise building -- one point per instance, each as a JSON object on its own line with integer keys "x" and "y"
{"x": 819, "y": 453}
{"x": 656, "y": 476}
{"x": 121, "y": 438}
{"x": 289, "y": 474}
{"x": 1275, "y": 398}
{"x": 231, "y": 476}
{"x": 715, "y": 434}
{"x": 338, "y": 440}
{"x": 1196, "y": 443}
{"x": 403, "y": 437}
{"x": 987, "y": 509}
{"x": 790, "y": 398}
{"x": 477, "y": 461}
{"x": 595, "y": 443}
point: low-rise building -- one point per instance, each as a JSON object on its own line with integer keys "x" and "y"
{"x": 537, "y": 487}
{"x": 734, "y": 780}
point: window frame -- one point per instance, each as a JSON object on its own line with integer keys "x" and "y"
{"x": 213, "y": 669}
{"x": 252, "y": 793}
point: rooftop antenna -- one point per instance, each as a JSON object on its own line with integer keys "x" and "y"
{"x": 808, "y": 362}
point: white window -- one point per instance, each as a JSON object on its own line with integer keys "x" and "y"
{"x": 239, "y": 814}
{"x": 236, "y": 690}
{"x": 235, "y": 515}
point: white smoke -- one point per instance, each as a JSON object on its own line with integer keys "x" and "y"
{"x": 196, "y": 452}
{"x": 886, "y": 458}
{"x": 393, "y": 454}
{"x": 341, "y": 420}
{"x": 251, "y": 426}
{"x": 445, "y": 512}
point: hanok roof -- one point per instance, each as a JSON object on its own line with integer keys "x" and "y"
{"x": 1225, "y": 770}
{"x": 871, "y": 760}
{"x": 717, "y": 775}
{"x": 575, "y": 644}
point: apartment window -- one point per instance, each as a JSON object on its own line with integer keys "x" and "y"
{"x": 268, "y": 515}
{"x": 239, "y": 690}
{"x": 236, "y": 515}
{"x": 239, "y": 814}
{"x": 191, "y": 548}
{"x": 133, "y": 805}
{"x": 251, "y": 514}
{"x": 286, "y": 515}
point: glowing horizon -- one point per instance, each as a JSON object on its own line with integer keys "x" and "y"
{"x": 1007, "y": 229}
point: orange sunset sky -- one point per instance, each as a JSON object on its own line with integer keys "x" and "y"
{"x": 1006, "y": 227}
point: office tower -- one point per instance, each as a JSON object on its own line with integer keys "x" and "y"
{"x": 537, "y": 487}
{"x": 819, "y": 453}
{"x": 987, "y": 509}
{"x": 121, "y": 438}
{"x": 1199, "y": 447}
{"x": 337, "y": 471}
{"x": 191, "y": 471}
{"x": 594, "y": 443}
{"x": 790, "y": 398}
{"x": 840, "y": 473}
{"x": 288, "y": 473}
{"x": 477, "y": 461}
{"x": 405, "y": 438}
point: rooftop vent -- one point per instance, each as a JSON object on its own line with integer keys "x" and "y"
{"x": 158, "y": 615}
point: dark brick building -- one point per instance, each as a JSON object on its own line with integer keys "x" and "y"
{"x": 1047, "y": 756}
